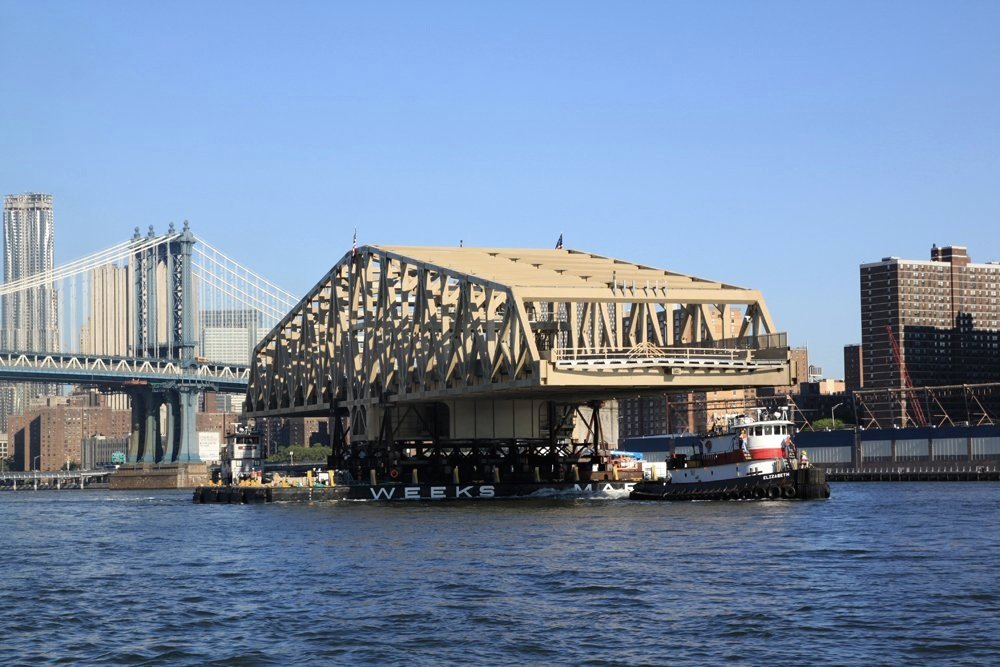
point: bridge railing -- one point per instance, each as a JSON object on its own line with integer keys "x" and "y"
{"x": 647, "y": 354}
{"x": 52, "y": 474}
{"x": 112, "y": 364}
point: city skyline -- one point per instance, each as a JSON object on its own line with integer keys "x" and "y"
{"x": 775, "y": 148}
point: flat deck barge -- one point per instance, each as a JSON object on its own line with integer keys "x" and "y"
{"x": 396, "y": 491}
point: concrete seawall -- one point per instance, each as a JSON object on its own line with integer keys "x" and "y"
{"x": 159, "y": 476}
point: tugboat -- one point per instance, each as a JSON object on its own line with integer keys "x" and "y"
{"x": 743, "y": 457}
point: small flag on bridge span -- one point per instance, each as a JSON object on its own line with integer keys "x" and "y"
{"x": 559, "y": 243}
{"x": 354, "y": 244}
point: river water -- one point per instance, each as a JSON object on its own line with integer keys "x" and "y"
{"x": 879, "y": 574}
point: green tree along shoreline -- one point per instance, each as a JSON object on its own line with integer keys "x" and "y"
{"x": 826, "y": 422}
{"x": 300, "y": 454}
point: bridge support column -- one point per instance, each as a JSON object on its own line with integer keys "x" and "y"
{"x": 151, "y": 429}
{"x": 180, "y": 444}
{"x": 170, "y": 442}
{"x": 134, "y": 437}
{"x": 187, "y": 451}
{"x": 144, "y": 442}
{"x": 339, "y": 437}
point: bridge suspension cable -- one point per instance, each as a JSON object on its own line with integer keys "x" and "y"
{"x": 228, "y": 297}
{"x": 116, "y": 253}
{"x": 236, "y": 286}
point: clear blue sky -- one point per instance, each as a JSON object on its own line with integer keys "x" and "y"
{"x": 773, "y": 145}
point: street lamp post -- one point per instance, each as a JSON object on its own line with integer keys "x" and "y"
{"x": 34, "y": 463}
{"x": 832, "y": 410}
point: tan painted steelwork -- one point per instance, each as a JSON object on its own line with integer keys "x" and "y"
{"x": 405, "y": 325}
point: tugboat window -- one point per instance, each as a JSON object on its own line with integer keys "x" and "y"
{"x": 767, "y": 430}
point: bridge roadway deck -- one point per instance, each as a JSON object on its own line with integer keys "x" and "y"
{"x": 117, "y": 371}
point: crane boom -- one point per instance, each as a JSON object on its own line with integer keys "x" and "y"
{"x": 918, "y": 412}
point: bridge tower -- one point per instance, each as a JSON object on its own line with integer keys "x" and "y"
{"x": 164, "y": 312}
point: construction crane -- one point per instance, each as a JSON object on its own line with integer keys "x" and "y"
{"x": 918, "y": 412}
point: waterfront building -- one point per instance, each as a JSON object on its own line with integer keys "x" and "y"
{"x": 853, "y": 373}
{"x": 943, "y": 314}
{"x": 29, "y": 321}
{"x": 98, "y": 451}
{"x": 84, "y": 430}
{"x": 51, "y": 430}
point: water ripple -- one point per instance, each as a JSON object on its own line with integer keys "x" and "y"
{"x": 881, "y": 573}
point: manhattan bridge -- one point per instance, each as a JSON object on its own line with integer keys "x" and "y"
{"x": 131, "y": 319}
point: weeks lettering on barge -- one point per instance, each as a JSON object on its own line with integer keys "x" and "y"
{"x": 431, "y": 492}
{"x": 472, "y": 491}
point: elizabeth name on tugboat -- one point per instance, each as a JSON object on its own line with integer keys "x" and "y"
{"x": 743, "y": 457}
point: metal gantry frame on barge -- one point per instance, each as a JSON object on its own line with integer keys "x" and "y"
{"x": 486, "y": 354}
{"x": 555, "y": 458}
{"x": 943, "y": 405}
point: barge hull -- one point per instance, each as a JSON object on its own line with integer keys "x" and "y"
{"x": 393, "y": 492}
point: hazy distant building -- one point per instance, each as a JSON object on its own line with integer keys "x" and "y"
{"x": 109, "y": 328}
{"x": 943, "y": 314}
{"x": 29, "y": 316}
{"x": 229, "y": 336}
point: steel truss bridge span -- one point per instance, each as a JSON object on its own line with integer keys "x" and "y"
{"x": 392, "y": 325}
{"x": 478, "y": 363}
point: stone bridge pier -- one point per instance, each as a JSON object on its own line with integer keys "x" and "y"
{"x": 163, "y": 425}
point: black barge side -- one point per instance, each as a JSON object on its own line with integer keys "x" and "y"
{"x": 802, "y": 484}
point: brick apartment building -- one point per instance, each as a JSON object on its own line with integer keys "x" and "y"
{"x": 54, "y": 429}
{"x": 49, "y": 432}
{"x": 853, "y": 368}
{"x": 944, "y": 315}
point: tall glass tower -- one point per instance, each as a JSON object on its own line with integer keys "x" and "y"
{"x": 29, "y": 316}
